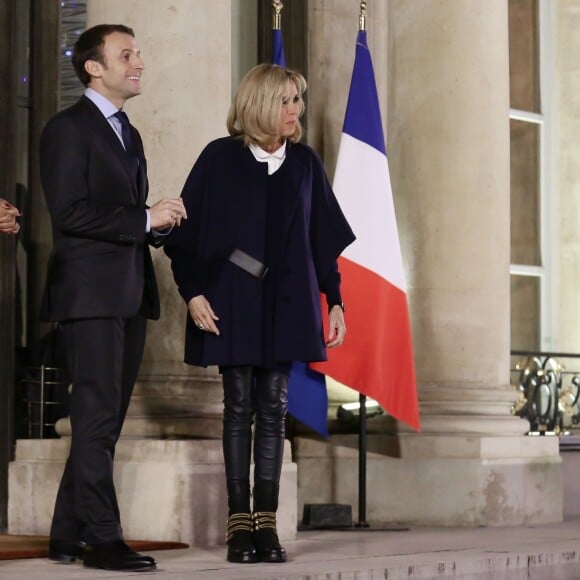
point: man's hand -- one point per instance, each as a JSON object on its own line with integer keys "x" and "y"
{"x": 167, "y": 213}
{"x": 8, "y": 215}
{"x": 202, "y": 314}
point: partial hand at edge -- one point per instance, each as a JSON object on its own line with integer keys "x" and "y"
{"x": 8, "y": 215}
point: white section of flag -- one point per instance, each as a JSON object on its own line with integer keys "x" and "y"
{"x": 362, "y": 185}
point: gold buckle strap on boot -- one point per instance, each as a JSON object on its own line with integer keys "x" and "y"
{"x": 263, "y": 520}
{"x": 238, "y": 523}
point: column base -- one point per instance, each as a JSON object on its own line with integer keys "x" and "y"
{"x": 170, "y": 403}
{"x": 570, "y": 451}
{"x": 171, "y": 490}
{"x": 431, "y": 480}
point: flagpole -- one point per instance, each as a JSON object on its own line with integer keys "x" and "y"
{"x": 362, "y": 464}
{"x": 362, "y": 433}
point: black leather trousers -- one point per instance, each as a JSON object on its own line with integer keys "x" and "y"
{"x": 250, "y": 392}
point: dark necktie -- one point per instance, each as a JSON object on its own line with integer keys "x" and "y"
{"x": 126, "y": 132}
{"x": 128, "y": 140}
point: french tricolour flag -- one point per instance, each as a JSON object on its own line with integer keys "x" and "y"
{"x": 376, "y": 358}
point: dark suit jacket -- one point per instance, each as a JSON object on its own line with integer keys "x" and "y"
{"x": 100, "y": 265}
{"x": 226, "y": 201}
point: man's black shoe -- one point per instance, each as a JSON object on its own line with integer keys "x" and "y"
{"x": 116, "y": 556}
{"x": 65, "y": 552}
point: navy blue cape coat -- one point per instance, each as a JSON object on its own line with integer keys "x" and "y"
{"x": 226, "y": 200}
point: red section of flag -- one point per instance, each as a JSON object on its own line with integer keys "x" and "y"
{"x": 376, "y": 358}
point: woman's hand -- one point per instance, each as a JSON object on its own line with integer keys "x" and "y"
{"x": 337, "y": 327}
{"x": 202, "y": 314}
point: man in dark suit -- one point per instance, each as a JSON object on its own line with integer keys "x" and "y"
{"x": 101, "y": 285}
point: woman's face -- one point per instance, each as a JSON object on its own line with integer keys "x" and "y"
{"x": 289, "y": 112}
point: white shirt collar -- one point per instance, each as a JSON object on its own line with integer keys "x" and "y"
{"x": 263, "y": 155}
{"x": 274, "y": 159}
{"x": 103, "y": 104}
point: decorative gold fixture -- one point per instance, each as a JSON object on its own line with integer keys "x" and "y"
{"x": 277, "y": 7}
{"x": 362, "y": 19}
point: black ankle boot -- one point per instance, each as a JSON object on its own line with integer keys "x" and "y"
{"x": 241, "y": 548}
{"x": 265, "y": 535}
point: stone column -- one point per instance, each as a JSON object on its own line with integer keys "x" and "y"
{"x": 449, "y": 155}
{"x": 448, "y": 147}
{"x": 185, "y": 100}
{"x": 566, "y": 109}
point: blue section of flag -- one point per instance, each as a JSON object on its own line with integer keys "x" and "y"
{"x": 363, "y": 117}
{"x": 307, "y": 397}
{"x": 278, "y": 48}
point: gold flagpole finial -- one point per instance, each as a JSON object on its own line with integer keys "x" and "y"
{"x": 277, "y": 7}
{"x": 362, "y": 19}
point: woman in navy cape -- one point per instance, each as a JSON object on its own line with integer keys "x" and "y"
{"x": 261, "y": 242}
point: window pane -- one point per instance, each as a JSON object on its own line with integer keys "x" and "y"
{"x": 525, "y": 313}
{"x": 22, "y": 42}
{"x": 524, "y": 50}
{"x": 73, "y": 21}
{"x": 525, "y": 194}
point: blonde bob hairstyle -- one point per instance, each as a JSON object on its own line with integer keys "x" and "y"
{"x": 257, "y": 107}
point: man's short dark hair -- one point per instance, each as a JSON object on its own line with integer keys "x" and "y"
{"x": 89, "y": 46}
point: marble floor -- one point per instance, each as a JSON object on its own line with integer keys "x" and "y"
{"x": 543, "y": 552}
